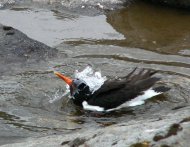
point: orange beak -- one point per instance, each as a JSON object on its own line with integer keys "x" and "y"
{"x": 68, "y": 80}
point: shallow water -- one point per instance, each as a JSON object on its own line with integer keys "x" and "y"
{"x": 32, "y": 102}
{"x": 150, "y": 27}
{"x": 53, "y": 28}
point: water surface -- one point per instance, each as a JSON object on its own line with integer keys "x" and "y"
{"x": 140, "y": 35}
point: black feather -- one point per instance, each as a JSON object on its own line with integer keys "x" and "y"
{"x": 161, "y": 89}
{"x": 114, "y": 93}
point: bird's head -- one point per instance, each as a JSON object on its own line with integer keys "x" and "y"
{"x": 79, "y": 90}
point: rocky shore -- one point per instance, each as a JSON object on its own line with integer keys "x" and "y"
{"x": 27, "y": 84}
{"x": 168, "y": 127}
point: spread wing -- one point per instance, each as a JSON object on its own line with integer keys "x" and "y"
{"x": 116, "y": 92}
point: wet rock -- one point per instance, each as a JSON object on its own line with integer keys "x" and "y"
{"x": 7, "y": 28}
{"x": 173, "y": 130}
{"x": 106, "y": 4}
{"x": 143, "y": 144}
{"x": 74, "y": 143}
{"x": 17, "y": 48}
{"x": 27, "y": 113}
{"x": 138, "y": 132}
{"x": 65, "y": 142}
{"x": 141, "y": 126}
{"x": 77, "y": 142}
{"x": 86, "y": 7}
{"x": 130, "y": 127}
{"x": 185, "y": 120}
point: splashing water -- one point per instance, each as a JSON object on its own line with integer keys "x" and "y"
{"x": 93, "y": 79}
{"x": 58, "y": 95}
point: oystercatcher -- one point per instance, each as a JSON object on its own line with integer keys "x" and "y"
{"x": 130, "y": 90}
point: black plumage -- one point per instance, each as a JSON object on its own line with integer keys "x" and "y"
{"x": 114, "y": 93}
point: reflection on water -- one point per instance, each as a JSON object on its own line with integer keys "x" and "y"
{"x": 53, "y": 27}
{"x": 150, "y": 27}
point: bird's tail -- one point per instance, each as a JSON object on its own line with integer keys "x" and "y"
{"x": 161, "y": 89}
{"x": 141, "y": 75}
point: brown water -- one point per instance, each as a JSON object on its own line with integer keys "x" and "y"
{"x": 150, "y": 27}
{"x": 140, "y": 35}
{"x": 153, "y": 28}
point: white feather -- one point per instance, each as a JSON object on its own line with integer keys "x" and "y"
{"x": 139, "y": 100}
{"x": 86, "y": 106}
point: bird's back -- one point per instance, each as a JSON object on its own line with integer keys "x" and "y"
{"x": 116, "y": 92}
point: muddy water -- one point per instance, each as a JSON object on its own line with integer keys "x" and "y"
{"x": 150, "y": 27}
{"x": 140, "y": 35}
{"x": 153, "y": 28}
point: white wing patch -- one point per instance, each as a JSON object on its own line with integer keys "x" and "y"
{"x": 139, "y": 100}
{"x": 86, "y": 106}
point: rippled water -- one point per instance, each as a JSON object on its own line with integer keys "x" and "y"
{"x": 46, "y": 26}
{"x": 149, "y": 27}
{"x": 34, "y": 102}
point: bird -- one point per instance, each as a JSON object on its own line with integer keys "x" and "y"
{"x": 114, "y": 94}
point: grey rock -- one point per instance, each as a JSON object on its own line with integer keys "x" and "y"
{"x": 124, "y": 134}
{"x": 27, "y": 119}
{"x": 17, "y": 48}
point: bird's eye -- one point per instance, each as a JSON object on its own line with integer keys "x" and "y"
{"x": 81, "y": 86}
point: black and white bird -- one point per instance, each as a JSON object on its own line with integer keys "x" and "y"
{"x": 130, "y": 90}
